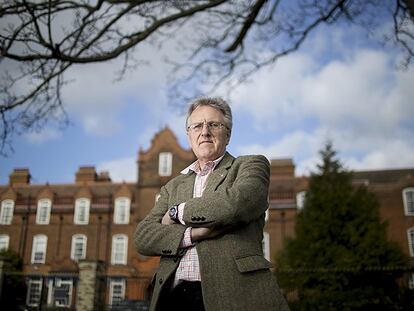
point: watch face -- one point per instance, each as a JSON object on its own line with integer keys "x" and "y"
{"x": 173, "y": 212}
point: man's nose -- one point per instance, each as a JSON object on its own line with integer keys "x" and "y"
{"x": 205, "y": 131}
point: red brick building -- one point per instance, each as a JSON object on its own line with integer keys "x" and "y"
{"x": 56, "y": 227}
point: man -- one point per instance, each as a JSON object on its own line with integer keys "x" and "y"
{"x": 207, "y": 225}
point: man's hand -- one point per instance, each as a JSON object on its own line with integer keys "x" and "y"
{"x": 198, "y": 234}
{"x": 166, "y": 220}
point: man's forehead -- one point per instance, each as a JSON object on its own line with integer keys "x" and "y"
{"x": 205, "y": 113}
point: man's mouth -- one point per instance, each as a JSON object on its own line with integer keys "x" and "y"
{"x": 206, "y": 142}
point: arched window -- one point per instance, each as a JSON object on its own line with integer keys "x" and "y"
{"x": 266, "y": 245}
{"x": 4, "y": 242}
{"x": 6, "y": 212}
{"x": 39, "y": 248}
{"x": 165, "y": 164}
{"x": 81, "y": 216}
{"x": 300, "y": 200}
{"x": 116, "y": 291}
{"x": 410, "y": 233}
{"x": 78, "y": 249}
{"x": 121, "y": 211}
{"x": 34, "y": 292}
{"x": 44, "y": 207}
{"x": 408, "y": 199}
{"x": 119, "y": 249}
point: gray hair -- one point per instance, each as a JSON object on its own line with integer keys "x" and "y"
{"x": 213, "y": 102}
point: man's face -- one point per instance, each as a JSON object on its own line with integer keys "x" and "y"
{"x": 207, "y": 144}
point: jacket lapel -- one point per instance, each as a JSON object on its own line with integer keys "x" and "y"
{"x": 186, "y": 187}
{"x": 220, "y": 173}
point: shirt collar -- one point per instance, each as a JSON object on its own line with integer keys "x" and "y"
{"x": 195, "y": 166}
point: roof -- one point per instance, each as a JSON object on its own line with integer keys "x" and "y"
{"x": 384, "y": 176}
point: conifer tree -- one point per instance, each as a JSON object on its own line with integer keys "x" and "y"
{"x": 341, "y": 258}
{"x": 13, "y": 288}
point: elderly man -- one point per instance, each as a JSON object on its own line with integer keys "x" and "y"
{"x": 207, "y": 225}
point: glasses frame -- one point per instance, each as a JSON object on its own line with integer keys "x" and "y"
{"x": 212, "y": 126}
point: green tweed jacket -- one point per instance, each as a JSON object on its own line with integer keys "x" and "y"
{"x": 234, "y": 273}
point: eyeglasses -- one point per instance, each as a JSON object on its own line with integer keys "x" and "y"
{"x": 212, "y": 126}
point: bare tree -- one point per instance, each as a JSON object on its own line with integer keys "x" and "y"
{"x": 228, "y": 37}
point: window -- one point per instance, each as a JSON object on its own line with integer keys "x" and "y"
{"x": 116, "y": 291}
{"x": 411, "y": 281}
{"x": 121, "y": 212}
{"x": 119, "y": 249}
{"x": 34, "y": 292}
{"x": 408, "y": 199}
{"x": 165, "y": 164}
{"x": 4, "y": 242}
{"x": 267, "y": 215}
{"x": 63, "y": 292}
{"x": 157, "y": 197}
{"x": 43, "y": 211}
{"x": 39, "y": 248}
{"x": 300, "y": 200}
{"x": 82, "y": 211}
{"x": 266, "y": 246}
{"x": 78, "y": 249}
{"x": 411, "y": 241}
{"x": 6, "y": 213}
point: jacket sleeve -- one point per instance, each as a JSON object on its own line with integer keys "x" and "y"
{"x": 241, "y": 198}
{"x": 155, "y": 239}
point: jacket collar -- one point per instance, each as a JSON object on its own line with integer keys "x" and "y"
{"x": 186, "y": 188}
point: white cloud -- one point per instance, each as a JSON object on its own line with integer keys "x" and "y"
{"x": 298, "y": 144}
{"x": 45, "y": 135}
{"x": 124, "y": 169}
{"x": 391, "y": 154}
{"x": 359, "y": 102}
{"x": 98, "y": 100}
{"x": 274, "y": 94}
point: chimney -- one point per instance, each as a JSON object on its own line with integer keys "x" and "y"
{"x": 104, "y": 176}
{"x": 20, "y": 176}
{"x": 86, "y": 174}
{"x": 282, "y": 169}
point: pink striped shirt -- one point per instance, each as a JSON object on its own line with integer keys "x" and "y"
{"x": 189, "y": 267}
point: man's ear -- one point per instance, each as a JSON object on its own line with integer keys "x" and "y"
{"x": 228, "y": 138}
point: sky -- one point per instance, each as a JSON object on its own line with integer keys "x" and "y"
{"x": 340, "y": 86}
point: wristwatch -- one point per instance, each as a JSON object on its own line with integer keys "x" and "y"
{"x": 173, "y": 213}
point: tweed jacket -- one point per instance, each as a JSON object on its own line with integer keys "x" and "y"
{"x": 234, "y": 273}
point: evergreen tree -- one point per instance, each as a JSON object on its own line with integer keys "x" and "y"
{"x": 13, "y": 287}
{"x": 340, "y": 258}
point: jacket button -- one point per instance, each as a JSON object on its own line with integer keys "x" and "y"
{"x": 203, "y": 218}
{"x": 193, "y": 218}
{"x": 160, "y": 281}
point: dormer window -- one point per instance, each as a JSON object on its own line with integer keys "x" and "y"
{"x": 121, "y": 210}
{"x": 6, "y": 213}
{"x": 165, "y": 164}
{"x": 81, "y": 216}
{"x": 43, "y": 211}
{"x": 408, "y": 199}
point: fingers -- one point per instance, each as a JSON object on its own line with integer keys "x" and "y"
{"x": 166, "y": 220}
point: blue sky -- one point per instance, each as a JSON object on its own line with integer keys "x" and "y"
{"x": 340, "y": 86}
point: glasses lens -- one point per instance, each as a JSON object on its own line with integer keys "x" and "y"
{"x": 211, "y": 126}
